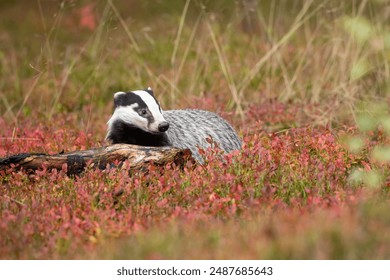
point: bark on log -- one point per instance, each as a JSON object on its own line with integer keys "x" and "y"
{"x": 136, "y": 157}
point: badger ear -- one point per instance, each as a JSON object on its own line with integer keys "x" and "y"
{"x": 149, "y": 90}
{"x": 118, "y": 96}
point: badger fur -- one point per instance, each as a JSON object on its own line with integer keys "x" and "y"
{"x": 139, "y": 120}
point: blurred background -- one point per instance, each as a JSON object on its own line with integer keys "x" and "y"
{"x": 326, "y": 57}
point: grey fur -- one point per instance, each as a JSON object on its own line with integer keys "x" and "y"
{"x": 189, "y": 129}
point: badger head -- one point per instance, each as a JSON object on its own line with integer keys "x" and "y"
{"x": 138, "y": 109}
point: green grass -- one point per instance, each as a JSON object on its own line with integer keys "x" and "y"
{"x": 52, "y": 65}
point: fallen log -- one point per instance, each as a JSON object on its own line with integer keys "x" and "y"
{"x": 136, "y": 157}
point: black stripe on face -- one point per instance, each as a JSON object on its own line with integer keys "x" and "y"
{"x": 128, "y": 99}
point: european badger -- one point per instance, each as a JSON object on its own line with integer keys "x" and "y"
{"x": 139, "y": 120}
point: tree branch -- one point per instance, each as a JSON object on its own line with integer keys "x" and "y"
{"x": 136, "y": 157}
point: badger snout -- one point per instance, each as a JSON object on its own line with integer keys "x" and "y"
{"x": 162, "y": 127}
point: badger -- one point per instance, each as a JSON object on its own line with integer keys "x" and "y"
{"x": 139, "y": 120}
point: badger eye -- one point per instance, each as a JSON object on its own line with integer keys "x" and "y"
{"x": 143, "y": 112}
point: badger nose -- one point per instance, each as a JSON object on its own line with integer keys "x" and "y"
{"x": 162, "y": 127}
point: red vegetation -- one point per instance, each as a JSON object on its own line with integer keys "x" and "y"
{"x": 49, "y": 215}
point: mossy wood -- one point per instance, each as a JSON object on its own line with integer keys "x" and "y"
{"x": 136, "y": 157}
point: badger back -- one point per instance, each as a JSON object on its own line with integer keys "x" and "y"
{"x": 190, "y": 128}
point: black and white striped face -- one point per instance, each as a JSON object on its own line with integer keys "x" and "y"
{"x": 140, "y": 109}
